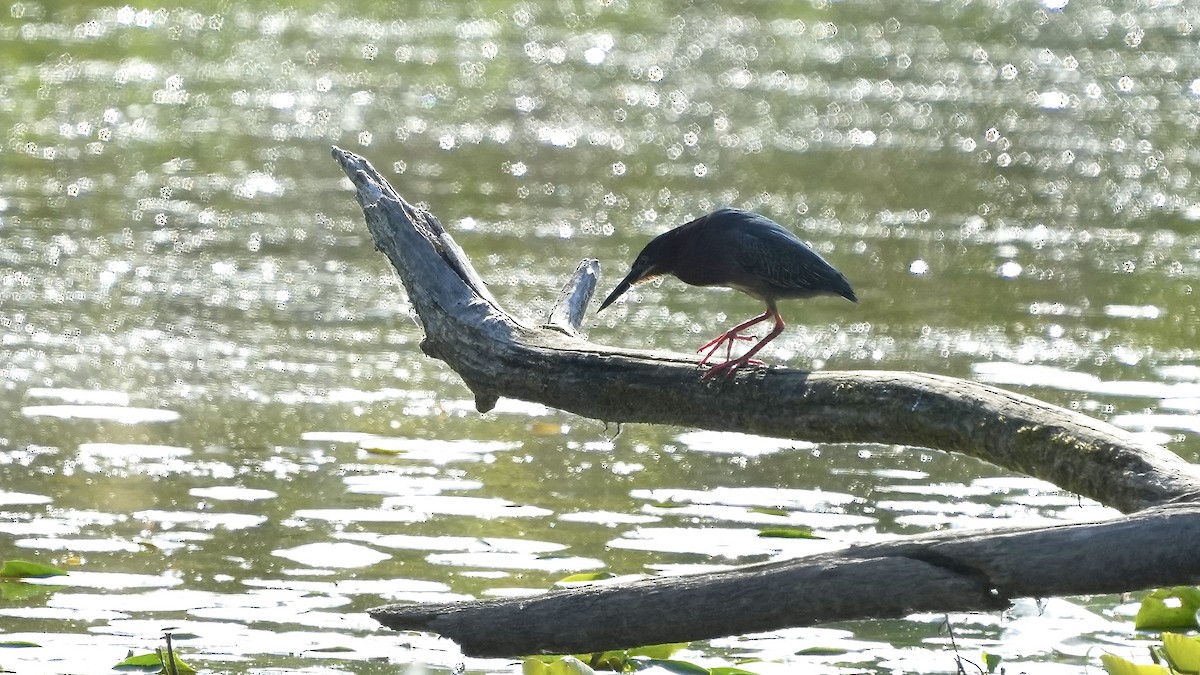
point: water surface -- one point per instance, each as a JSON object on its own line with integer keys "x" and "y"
{"x": 217, "y": 416}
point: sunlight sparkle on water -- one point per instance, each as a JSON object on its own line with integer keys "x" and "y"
{"x": 1148, "y": 422}
{"x": 737, "y": 443}
{"x": 78, "y": 545}
{"x": 1133, "y": 311}
{"x": 13, "y": 498}
{"x": 608, "y": 518}
{"x": 389, "y": 483}
{"x": 997, "y": 372}
{"x": 1053, "y": 100}
{"x": 204, "y": 521}
{"x": 114, "y": 413}
{"x": 1010, "y": 269}
{"x": 111, "y": 580}
{"x": 257, "y": 183}
{"x": 332, "y": 554}
{"x": 231, "y": 493}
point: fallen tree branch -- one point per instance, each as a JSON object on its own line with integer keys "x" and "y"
{"x": 497, "y": 355}
{"x": 942, "y": 572}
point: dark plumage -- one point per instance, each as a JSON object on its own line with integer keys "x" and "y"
{"x": 742, "y": 250}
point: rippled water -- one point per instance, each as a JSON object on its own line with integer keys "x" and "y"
{"x": 216, "y": 414}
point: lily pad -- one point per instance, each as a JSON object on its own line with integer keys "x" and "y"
{"x": 788, "y": 533}
{"x": 25, "y": 569}
{"x": 1169, "y": 608}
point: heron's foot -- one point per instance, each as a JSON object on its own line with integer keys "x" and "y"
{"x": 729, "y": 368}
{"x": 727, "y": 339}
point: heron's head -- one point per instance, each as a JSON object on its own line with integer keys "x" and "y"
{"x": 657, "y": 259}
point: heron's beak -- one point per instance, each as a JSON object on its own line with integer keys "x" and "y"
{"x": 635, "y": 275}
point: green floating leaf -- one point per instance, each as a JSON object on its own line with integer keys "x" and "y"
{"x": 992, "y": 661}
{"x": 1169, "y": 608}
{"x": 585, "y": 576}
{"x": 534, "y": 666}
{"x": 1182, "y": 651}
{"x": 153, "y": 661}
{"x": 18, "y": 644}
{"x": 182, "y": 668}
{"x": 139, "y": 661}
{"x": 331, "y": 650}
{"x": 769, "y": 511}
{"x": 788, "y": 533}
{"x": 569, "y": 665}
{"x": 729, "y": 670}
{"x": 25, "y": 569}
{"x": 12, "y": 590}
{"x": 1115, "y": 665}
{"x": 822, "y": 651}
{"x": 555, "y": 665}
{"x": 386, "y": 452}
{"x": 680, "y": 667}
{"x": 663, "y": 651}
{"x": 619, "y": 660}
{"x": 614, "y": 661}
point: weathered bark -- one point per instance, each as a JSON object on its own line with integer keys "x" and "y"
{"x": 497, "y": 355}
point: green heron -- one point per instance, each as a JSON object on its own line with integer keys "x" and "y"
{"x": 742, "y": 250}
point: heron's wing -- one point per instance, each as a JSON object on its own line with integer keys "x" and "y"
{"x": 782, "y": 261}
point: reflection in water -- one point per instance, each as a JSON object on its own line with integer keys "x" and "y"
{"x": 217, "y": 413}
